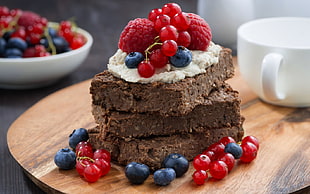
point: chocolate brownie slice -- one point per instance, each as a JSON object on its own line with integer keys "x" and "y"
{"x": 220, "y": 109}
{"x": 112, "y": 93}
{"x": 152, "y": 151}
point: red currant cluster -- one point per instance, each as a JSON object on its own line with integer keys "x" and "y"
{"x": 29, "y": 28}
{"x": 91, "y": 165}
{"x": 219, "y": 158}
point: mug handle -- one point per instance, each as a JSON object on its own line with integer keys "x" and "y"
{"x": 269, "y": 76}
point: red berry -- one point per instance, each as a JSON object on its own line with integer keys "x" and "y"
{"x": 92, "y": 173}
{"x": 229, "y": 160}
{"x": 226, "y": 140}
{"x": 29, "y": 52}
{"x": 28, "y": 18}
{"x": 201, "y": 162}
{"x": 199, "y": 177}
{"x": 84, "y": 149}
{"x": 210, "y": 154}
{"x": 102, "y": 153}
{"x": 171, "y": 9}
{"x": 77, "y": 42}
{"x": 146, "y": 69}
{"x": 158, "y": 59}
{"x": 15, "y": 12}
{"x": 184, "y": 39}
{"x": 168, "y": 32}
{"x": 34, "y": 38}
{"x": 218, "y": 148}
{"x": 65, "y": 25}
{"x": 81, "y": 165}
{"x": 154, "y": 13}
{"x": 251, "y": 139}
{"x": 181, "y": 21}
{"x": 169, "y": 48}
{"x": 20, "y": 33}
{"x": 137, "y": 36}
{"x": 104, "y": 165}
{"x": 218, "y": 169}
{"x": 161, "y": 21}
{"x": 249, "y": 152}
{"x": 200, "y": 33}
{"x": 4, "y": 11}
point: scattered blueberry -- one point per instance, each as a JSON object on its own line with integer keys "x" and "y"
{"x": 17, "y": 43}
{"x": 137, "y": 173}
{"x": 182, "y": 58}
{"x": 164, "y": 176}
{"x": 234, "y": 149}
{"x": 178, "y": 162}
{"x": 65, "y": 159}
{"x": 60, "y": 44}
{"x": 77, "y": 136}
{"x": 133, "y": 59}
{"x": 13, "y": 53}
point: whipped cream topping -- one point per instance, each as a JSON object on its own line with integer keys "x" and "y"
{"x": 169, "y": 74}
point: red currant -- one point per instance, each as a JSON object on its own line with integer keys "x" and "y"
{"x": 161, "y": 21}
{"x": 169, "y": 48}
{"x": 171, "y": 9}
{"x": 229, "y": 160}
{"x": 218, "y": 148}
{"x": 218, "y": 169}
{"x": 20, "y": 33}
{"x": 76, "y": 42}
{"x": 154, "y": 13}
{"x": 65, "y": 25}
{"x": 146, "y": 69}
{"x": 92, "y": 173}
{"x": 168, "y": 32}
{"x": 249, "y": 152}
{"x": 199, "y": 177}
{"x": 180, "y": 21}
{"x": 84, "y": 149}
{"x": 226, "y": 140}
{"x": 184, "y": 39}
{"x": 102, "y": 153}
{"x": 158, "y": 59}
{"x": 34, "y": 38}
{"x": 201, "y": 162}
{"x": 251, "y": 139}
{"x": 104, "y": 165}
{"x": 210, "y": 154}
{"x": 81, "y": 165}
{"x": 4, "y": 11}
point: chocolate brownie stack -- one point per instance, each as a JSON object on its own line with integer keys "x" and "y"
{"x": 146, "y": 122}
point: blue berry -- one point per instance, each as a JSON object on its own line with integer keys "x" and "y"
{"x": 133, "y": 59}
{"x": 13, "y": 53}
{"x": 182, "y": 58}
{"x": 178, "y": 162}
{"x": 137, "y": 173}
{"x": 77, "y": 136}
{"x": 52, "y": 32}
{"x": 65, "y": 159}
{"x": 17, "y": 43}
{"x": 164, "y": 176}
{"x": 60, "y": 44}
{"x": 2, "y": 46}
{"x": 234, "y": 149}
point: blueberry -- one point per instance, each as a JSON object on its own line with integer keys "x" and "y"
{"x": 234, "y": 149}
{"x": 65, "y": 159}
{"x": 178, "y": 162}
{"x": 7, "y": 35}
{"x": 77, "y": 136}
{"x": 52, "y": 32}
{"x": 13, "y": 53}
{"x": 60, "y": 44}
{"x": 182, "y": 58}
{"x": 137, "y": 173}
{"x": 2, "y": 46}
{"x": 164, "y": 176}
{"x": 133, "y": 59}
{"x": 17, "y": 43}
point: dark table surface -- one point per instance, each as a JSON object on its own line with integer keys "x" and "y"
{"x": 104, "y": 19}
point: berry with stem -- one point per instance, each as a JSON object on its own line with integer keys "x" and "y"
{"x": 146, "y": 69}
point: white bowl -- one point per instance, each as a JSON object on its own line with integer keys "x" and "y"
{"x": 25, "y": 73}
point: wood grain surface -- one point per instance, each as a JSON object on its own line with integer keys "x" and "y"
{"x": 282, "y": 165}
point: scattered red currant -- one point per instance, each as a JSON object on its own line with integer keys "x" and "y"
{"x": 201, "y": 162}
{"x": 92, "y": 172}
{"x": 199, "y": 177}
{"x": 249, "y": 152}
{"x": 252, "y": 140}
{"x": 228, "y": 159}
{"x": 218, "y": 169}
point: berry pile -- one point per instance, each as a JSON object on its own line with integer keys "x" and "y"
{"x": 219, "y": 158}
{"x": 27, "y": 34}
{"x": 174, "y": 165}
{"x": 166, "y": 36}
{"x": 88, "y": 163}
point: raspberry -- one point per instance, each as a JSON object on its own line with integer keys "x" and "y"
{"x": 200, "y": 33}
{"x": 137, "y": 35}
{"x": 28, "y": 18}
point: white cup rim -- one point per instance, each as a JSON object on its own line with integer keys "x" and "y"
{"x": 241, "y": 33}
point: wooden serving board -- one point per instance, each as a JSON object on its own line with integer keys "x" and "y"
{"x": 282, "y": 164}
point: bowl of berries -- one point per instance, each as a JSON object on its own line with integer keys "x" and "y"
{"x": 35, "y": 52}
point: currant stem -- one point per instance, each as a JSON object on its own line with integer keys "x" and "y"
{"x": 50, "y": 41}
{"x": 147, "y": 51}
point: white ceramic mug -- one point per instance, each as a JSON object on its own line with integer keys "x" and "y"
{"x": 274, "y": 59}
